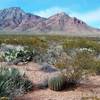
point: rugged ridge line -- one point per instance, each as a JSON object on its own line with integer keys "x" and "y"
{"x": 14, "y": 19}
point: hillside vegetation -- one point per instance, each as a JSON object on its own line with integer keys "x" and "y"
{"x": 72, "y": 58}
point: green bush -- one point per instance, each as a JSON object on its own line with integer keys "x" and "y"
{"x": 73, "y": 75}
{"x": 97, "y": 67}
{"x": 13, "y": 83}
{"x": 90, "y": 98}
{"x": 81, "y": 43}
{"x": 84, "y": 60}
{"x": 80, "y": 66}
{"x": 84, "y": 63}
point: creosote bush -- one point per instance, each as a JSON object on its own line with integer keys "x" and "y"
{"x": 73, "y": 75}
{"x": 81, "y": 43}
{"x": 83, "y": 64}
{"x": 90, "y": 98}
{"x": 97, "y": 67}
{"x": 86, "y": 61}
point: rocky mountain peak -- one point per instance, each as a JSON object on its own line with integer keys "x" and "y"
{"x": 63, "y": 14}
{"x": 60, "y": 15}
{"x": 15, "y": 19}
{"x": 11, "y": 11}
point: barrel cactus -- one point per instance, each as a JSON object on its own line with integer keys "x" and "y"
{"x": 56, "y": 83}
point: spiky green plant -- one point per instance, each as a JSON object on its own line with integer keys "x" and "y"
{"x": 13, "y": 83}
{"x": 56, "y": 83}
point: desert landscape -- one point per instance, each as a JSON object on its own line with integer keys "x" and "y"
{"x": 49, "y": 50}
{"x": 50, "y": 67}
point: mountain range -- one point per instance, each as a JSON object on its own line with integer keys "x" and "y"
{"x": 14, "y": 19}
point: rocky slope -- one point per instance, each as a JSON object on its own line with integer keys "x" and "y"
{"x": 15, "y": 19}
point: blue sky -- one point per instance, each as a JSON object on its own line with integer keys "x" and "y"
{"x": 86, "y": 10}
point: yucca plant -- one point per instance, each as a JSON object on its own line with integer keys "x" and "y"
{"x": 13, "y": 83}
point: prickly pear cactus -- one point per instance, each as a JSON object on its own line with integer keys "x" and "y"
{"x": 56, "y": 83}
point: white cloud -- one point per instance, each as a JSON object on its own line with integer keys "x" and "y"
{"x": 90, "y": 17}
{"x": 49, "y": 12}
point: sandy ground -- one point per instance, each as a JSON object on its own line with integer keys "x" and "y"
{"x": 91, "y": 87}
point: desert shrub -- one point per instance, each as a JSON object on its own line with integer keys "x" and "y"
{"x": 85, "y": 60}
{"x": 13, "y": 83}
{"x": 80, "y": 65}
{"x": 97, "y": 67}
{"x": 83, "y": 63}
{"x": 73, "y": 75}
{"x": 63, "y": 60}
{"x": 57, "y": 82}
{"x": 81, "y": 43}
{"x": 50, "y": 55}
{"x": 90, "y": 98}
{"x": 53, "y": 53}
{"x": 23, "y": 39}
{"x": 75, "y": 68}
